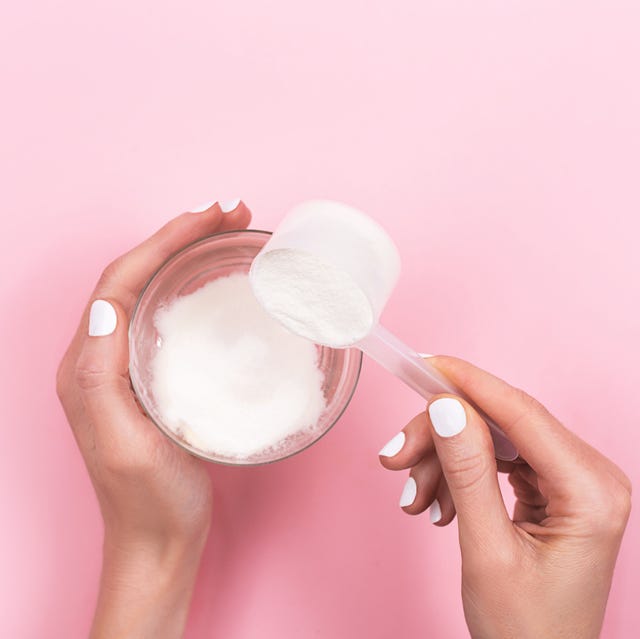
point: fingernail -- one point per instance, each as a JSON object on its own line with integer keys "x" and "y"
{"x": 425, "y": 355}
{"x": 202, "y": 208}
{"x": 447, "y": 416}
{"x": 393, "y": 446}
{"x": 102, "y": 319}
{"x": 435, "y": 512}
{"x": 226, "y": 206}
{"x": 408, "y": 493}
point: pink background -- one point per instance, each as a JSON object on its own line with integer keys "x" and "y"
{"x": 499, "y": 142}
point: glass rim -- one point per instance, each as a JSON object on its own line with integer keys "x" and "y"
{"x": 169, "y": 434}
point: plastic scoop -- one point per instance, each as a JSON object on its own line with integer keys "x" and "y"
{"x": 326, "y": 274}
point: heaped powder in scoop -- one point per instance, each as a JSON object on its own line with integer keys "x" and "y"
{"x": 312, "y": 298}
{"x": 227, "y": 377}
{"x": 326, "y": 272}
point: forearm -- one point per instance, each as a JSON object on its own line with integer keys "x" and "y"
{"x": 145, "y": 588}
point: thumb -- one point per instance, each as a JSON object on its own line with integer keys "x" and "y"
{"x": 467, "y": 457}
{"x": 103, "y": 364}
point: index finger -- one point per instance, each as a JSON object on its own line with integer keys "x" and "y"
{"x": 123, "y": 279}
{"x": 547, "y": 446}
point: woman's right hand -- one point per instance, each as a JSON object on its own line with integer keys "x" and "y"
{"x": 547, "y": 572}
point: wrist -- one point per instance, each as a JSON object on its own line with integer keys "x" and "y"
{"x": 170, "y": 550}
{"x": 152, "y": 563}
{"x": 146, "y": 584}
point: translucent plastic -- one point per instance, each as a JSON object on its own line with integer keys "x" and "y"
{"x": 346, "y": 239}
{"x": 386, "y": 349}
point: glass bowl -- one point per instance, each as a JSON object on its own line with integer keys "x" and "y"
{"x": 216, "y": 256}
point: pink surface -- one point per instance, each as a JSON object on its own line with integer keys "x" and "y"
{"x": 498, "y": 142}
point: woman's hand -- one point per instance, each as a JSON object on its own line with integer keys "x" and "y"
{"x": 548, "y": 572}
{"x": 155, "y": 498}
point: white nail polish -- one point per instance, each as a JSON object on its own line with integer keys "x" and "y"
{"x": 393, "y": 446}
{"x": 447, "y": 416}
{"x": 408, "y": 493}
{"x": 435, "y": 512}
{"x": 102, "y": 319}
{"x": 202, "y": 208}
{"x": 425, "y": 355}
{"x": 226, "y": 206}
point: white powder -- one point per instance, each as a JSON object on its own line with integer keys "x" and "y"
{"x": 312, "y": 298}
{"x": 229, "y": 378}
{"x": 326, "y": 272}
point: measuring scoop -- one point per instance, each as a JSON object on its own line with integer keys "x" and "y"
{"x": 326, "y": 274}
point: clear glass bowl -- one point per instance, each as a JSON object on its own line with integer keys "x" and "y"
{"x": 205, "y": 260}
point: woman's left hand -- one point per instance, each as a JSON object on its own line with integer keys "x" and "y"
{"x": 155, "y": 498}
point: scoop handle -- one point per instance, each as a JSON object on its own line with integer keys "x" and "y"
{"x": 416, "y": 372}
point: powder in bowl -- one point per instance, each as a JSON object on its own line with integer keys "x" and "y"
{"x": 227, "y": 377}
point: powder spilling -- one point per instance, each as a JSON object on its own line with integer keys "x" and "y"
{"x": 312, "y": 298}
{"x": 230, "y": 379}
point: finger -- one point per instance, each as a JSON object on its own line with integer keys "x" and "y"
{"x": 466, "y": 454}
{"x": 543, "y": 442}
{"x": 523, "y": 512}
{"x": 409, "y": 446}
{"x": 505, "y": 466}
{"x": 130, "y": 272}
{"x": 526, "y": 474}
{"x": 442, "y": 511}
{"x": 101, "y": 376}
{"x": 237, "y": 217}
{"x": 422, "y": 484}
{"x": 124, "y": 278}
{"x": 526, "y": 493}
{"x": 531, "y": 504}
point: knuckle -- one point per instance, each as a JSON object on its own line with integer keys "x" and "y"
{"x": 113, "y": 268}
{"x": 110, "y": 284}
{"x": 111, "y": 272}
{"x": 626, "y": 482}
{"x": 466, "y": 471}
{"x": 532, "y": 410}
{"x": 620, "y": 507}
{"x": 610, "y": 509}
{"x": 532, "y": 407}
{"x": 88, "y": 378}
